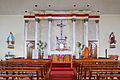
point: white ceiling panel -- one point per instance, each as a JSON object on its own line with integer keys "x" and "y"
{"x": 18, "y": 7}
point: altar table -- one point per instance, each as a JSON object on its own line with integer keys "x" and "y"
{"x": 61, "y": 56}
{"x": 61, "y": 52}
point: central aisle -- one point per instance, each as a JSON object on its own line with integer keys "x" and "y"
{"x": 61, "y": 71}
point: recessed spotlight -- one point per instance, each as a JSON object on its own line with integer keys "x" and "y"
{"x": 35, "y": 5}
{"x": 98, "y": 11}
{"x": 74, "y": 5}
{"x": 88, "y": 5}
{"x": 25, "y": 11}
{"x": 49, "y": 5}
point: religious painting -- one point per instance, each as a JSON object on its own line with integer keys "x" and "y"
{"x": 10, "y": 41}
{"x": 112, "y": 40}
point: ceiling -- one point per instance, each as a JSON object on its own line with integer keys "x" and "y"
{"x": 18, "y": 7}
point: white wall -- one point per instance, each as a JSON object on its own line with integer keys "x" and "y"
{"x": 108, "y": 24}
{"x": 13, "y": 24}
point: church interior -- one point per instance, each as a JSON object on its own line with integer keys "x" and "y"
{"x": 59, "y": 40}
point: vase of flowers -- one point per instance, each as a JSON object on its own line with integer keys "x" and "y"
{"x": 61, "y": 57}
{"x": 42, "y": 46}
{"x": 81, "y": 48}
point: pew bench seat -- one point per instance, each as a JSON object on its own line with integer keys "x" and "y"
{"x": 18, "y": 76}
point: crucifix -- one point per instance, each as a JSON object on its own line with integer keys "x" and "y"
{"x": 61, "y": 43}
{"x": 61, "y": 28}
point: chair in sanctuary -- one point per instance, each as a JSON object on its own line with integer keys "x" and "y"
{"x": 86, "y": 53}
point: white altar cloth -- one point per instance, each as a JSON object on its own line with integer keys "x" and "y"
{"x": 61, "y": 52}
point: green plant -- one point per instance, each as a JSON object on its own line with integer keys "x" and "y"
{"x": 80, "y": 47}
{"x": 42, "y": 45}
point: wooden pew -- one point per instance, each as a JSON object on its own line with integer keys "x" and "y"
{"x": 105, "y": 77}
{"x": 26, "y": 64}
{"x": 85, "y": 69}
{"x": 18, "y": 76}
{"x": 19, "y": 72}
{"x": 82, "y": 65}
{"x": 105, "y": 72}
{"x": 37, "y": 70}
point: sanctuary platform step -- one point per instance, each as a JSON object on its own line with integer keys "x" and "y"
{"x": 61, "y": 71}
{"x": 61, "y": 64}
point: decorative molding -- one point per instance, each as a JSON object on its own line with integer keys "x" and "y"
{"x": 50, "y": 19}
{"x": 26, "y": 21}
{"x": 94, "y": 16}
{"x": 61, "y": 15}
{"x": 85, "y": 20}
{"x": 38, "y": 20}
{"x": 73, "y": 20}
{"x": 29, "y": 16}
{"x": 96, "y": 21}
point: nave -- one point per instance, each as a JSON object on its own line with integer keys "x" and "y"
{"x": 45, "y": 69}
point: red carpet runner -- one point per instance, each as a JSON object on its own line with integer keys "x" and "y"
{"x": 61, "y": 71}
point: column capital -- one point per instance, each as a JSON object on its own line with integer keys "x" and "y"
{"x": 50, "y": 19}
{"x": 96, "y": 21}
{"x": 26, "y": 21}
{"x": 73, "y": 20}
{"x": 85, "y": 20}
{"x": 37, "y": 20}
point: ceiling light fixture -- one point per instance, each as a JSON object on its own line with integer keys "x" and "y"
{"x": 98, "y": 11}
{"x": 25, "y": 11}
{"x": 35, "y": 5}
{"x": 49, "y": 5}
{"x": 88, "y": 5}
{"x": 74, "y": 5}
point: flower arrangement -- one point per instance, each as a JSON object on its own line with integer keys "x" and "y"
{"x": 56, "y": 37}
{"x": 61, "y": 57}
{"x": 65, "y": 37}
{"x": 80, "y": 47}
{"x": 42, "y": 46}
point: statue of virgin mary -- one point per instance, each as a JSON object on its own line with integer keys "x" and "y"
{"x": 10, "y": 40}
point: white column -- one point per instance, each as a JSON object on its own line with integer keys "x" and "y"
{"x": 25, "y": 38}
{"x": 36, "y": 33}
{"x": 86, "y": 32}
{"x": 35, "y": 51}
{"x": 73, "y": 21}
{"x": 97, "y": 37}
{"x": 49, "y": 35}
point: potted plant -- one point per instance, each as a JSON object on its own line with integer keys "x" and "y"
{"x": 42, "y": 46}
{"x": 81, "y": 48}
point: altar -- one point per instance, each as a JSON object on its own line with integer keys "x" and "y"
{"x": 61, "y": 56}
{"x": 61, "y": 53}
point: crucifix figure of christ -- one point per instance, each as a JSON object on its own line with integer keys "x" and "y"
{"x": 61, "y": 43}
